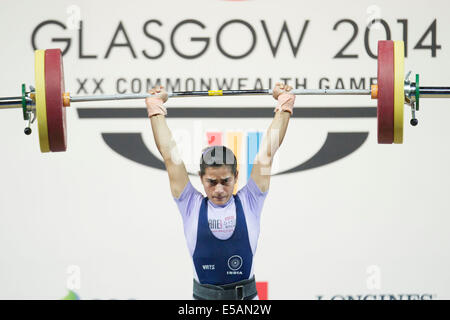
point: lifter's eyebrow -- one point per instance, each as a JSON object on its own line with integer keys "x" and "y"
{"x": 215, "y": 180}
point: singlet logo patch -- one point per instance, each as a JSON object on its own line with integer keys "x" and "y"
{"x": 209, "y": 267}
{"x": 235, "y": 262}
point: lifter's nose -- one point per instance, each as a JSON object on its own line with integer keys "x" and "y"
{"x": 219, "y": 189}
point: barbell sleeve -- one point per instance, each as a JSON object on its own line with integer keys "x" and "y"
{"x": 13, "y": 102}
{"x": 434, "y": 92}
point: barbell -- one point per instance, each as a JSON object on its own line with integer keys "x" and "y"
{"x": 47, "y": 101}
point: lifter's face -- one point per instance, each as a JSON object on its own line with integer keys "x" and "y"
{"x": 219, "y": 183}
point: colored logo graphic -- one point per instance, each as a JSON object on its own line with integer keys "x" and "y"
{"x": 71, "y": 295}
{"x": 245, "y": 145}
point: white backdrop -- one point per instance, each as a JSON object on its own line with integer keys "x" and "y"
{"x": 372, "y": 224}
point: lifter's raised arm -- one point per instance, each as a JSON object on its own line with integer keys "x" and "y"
{"x": 176, "y": 169}
{"x": 274, "y": 136}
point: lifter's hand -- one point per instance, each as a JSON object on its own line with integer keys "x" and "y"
{"x": 155, "y": 103}
{"x": 279, "y": 89}
{"x": 159, "y": 92}
{"x": 285, "y": 98}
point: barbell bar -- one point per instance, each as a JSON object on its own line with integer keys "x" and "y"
{"x": 47, "y": 101}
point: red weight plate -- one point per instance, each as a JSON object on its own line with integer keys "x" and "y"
{"x": 385, "y": 111}
{"x": 56, "y": 112}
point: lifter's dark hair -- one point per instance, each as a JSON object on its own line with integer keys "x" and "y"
{"x": 217, "y": 156}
